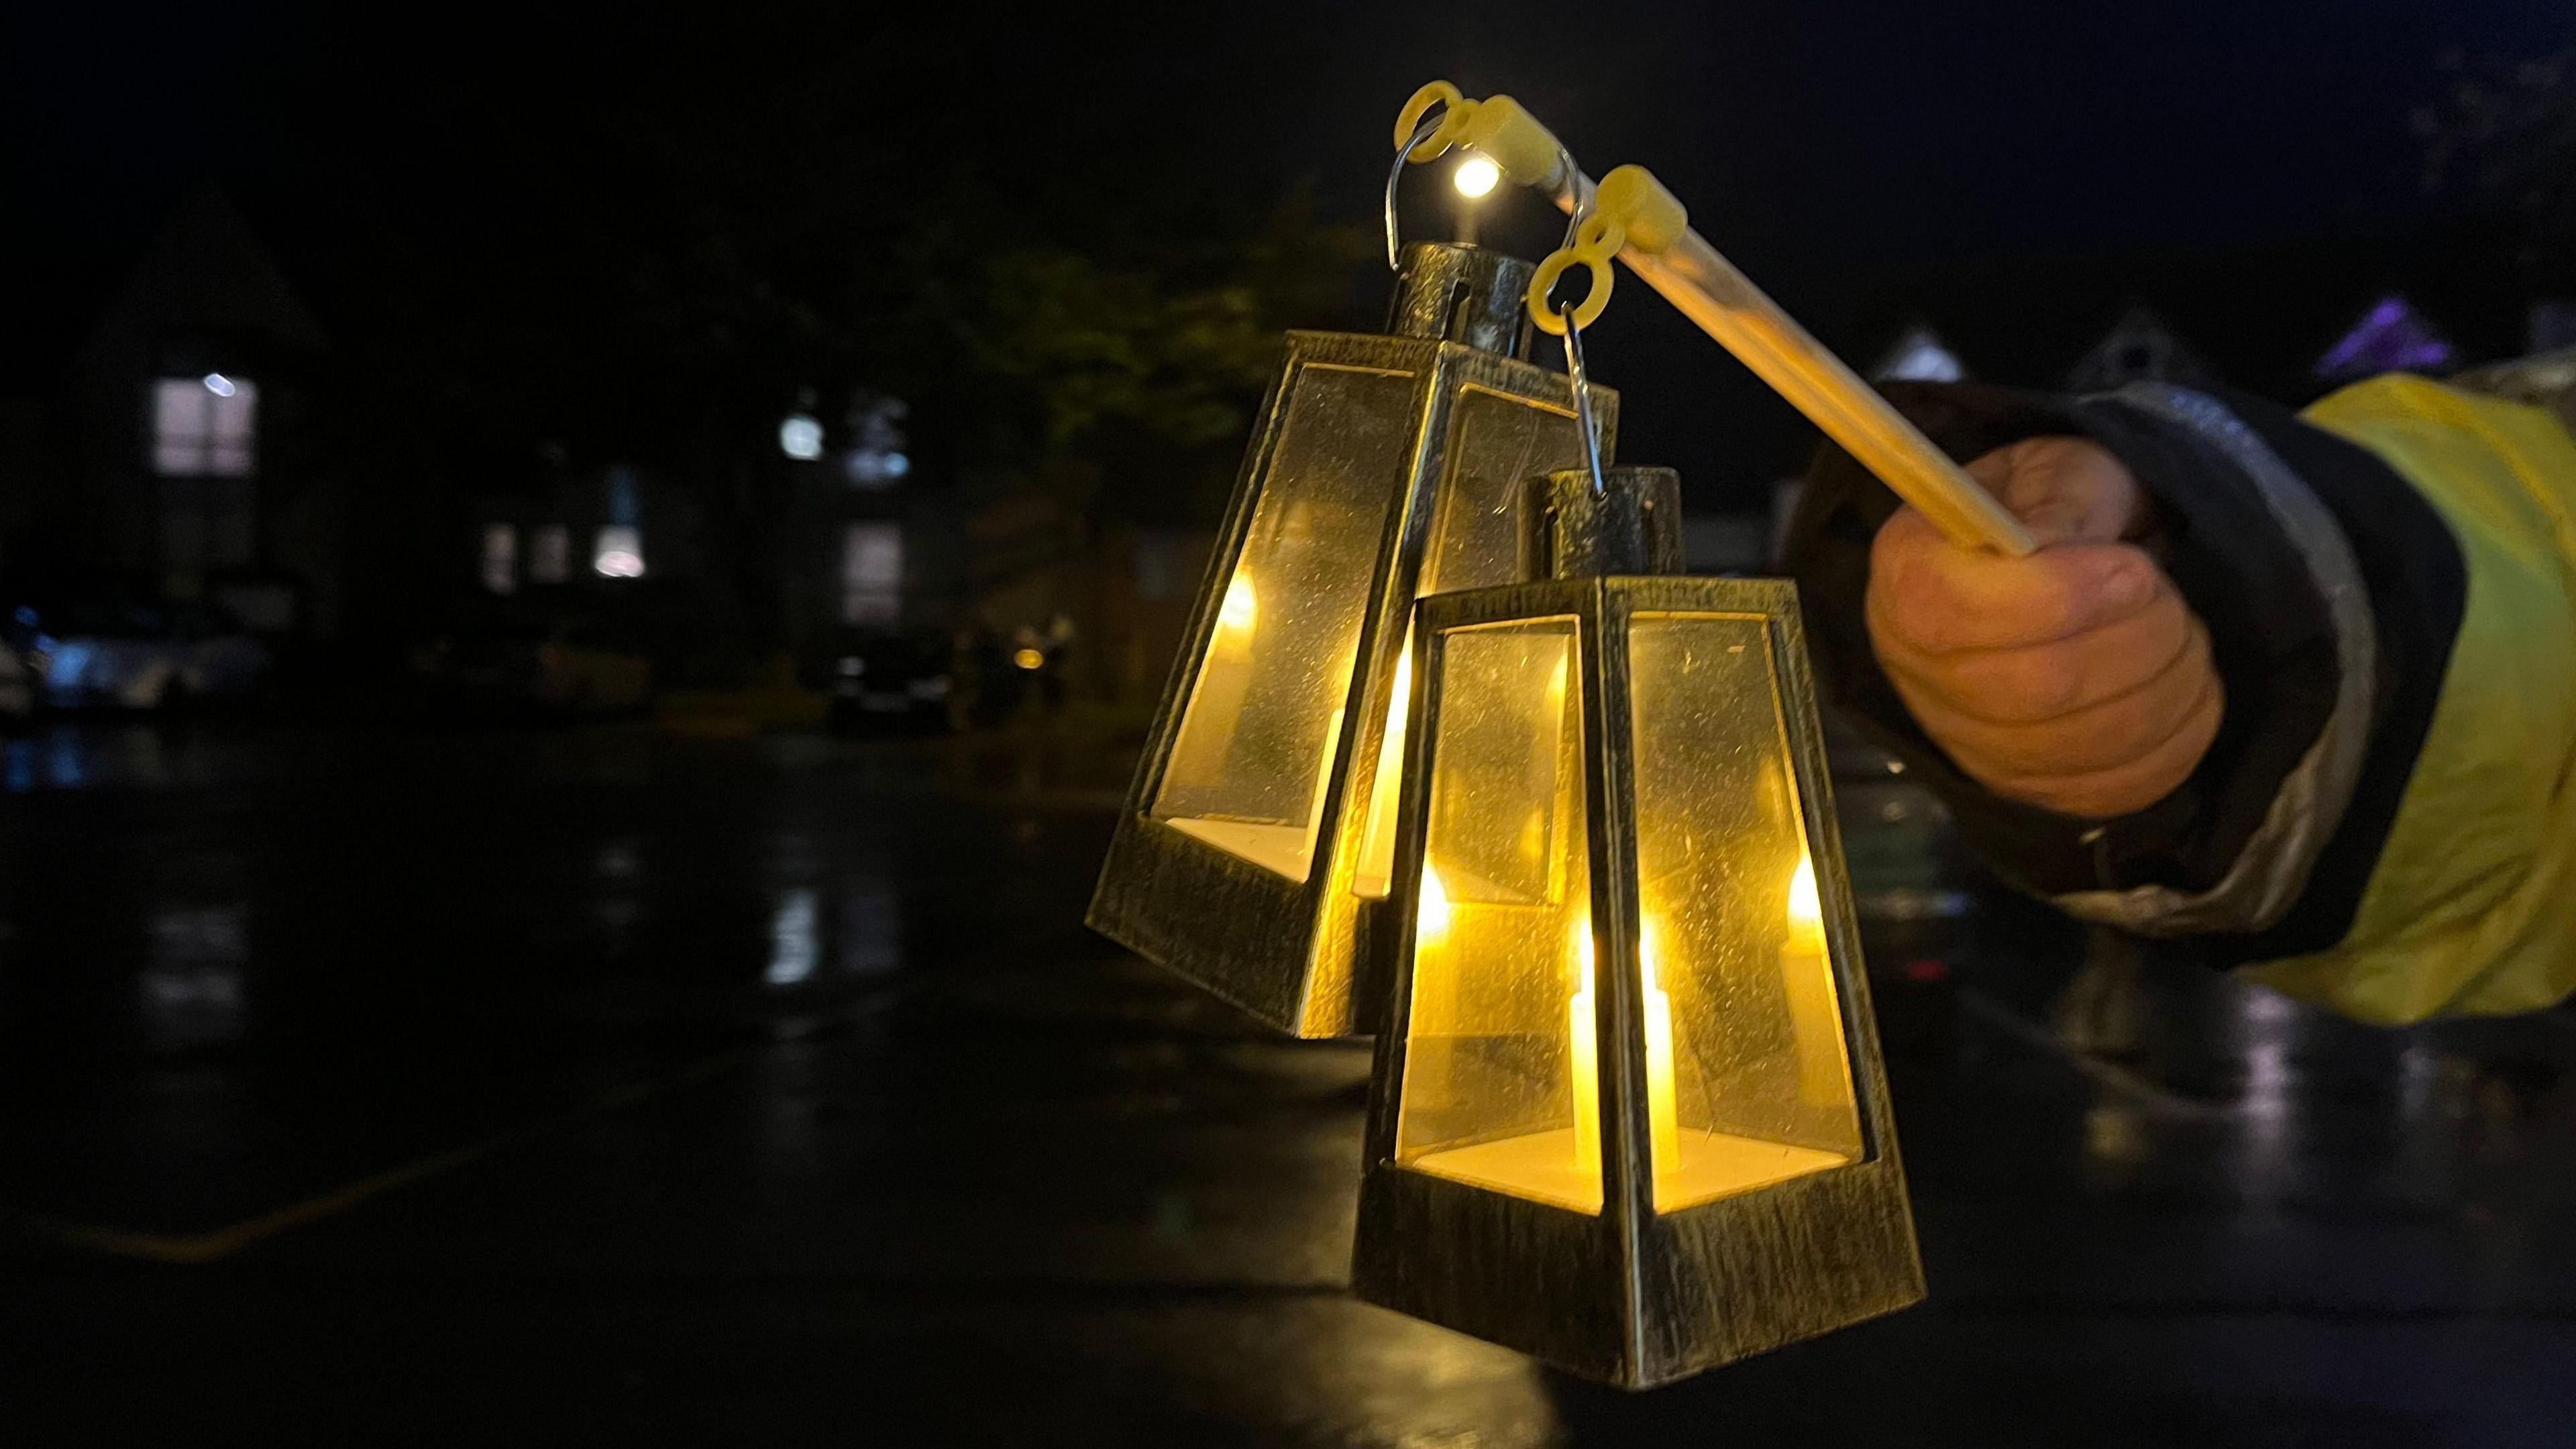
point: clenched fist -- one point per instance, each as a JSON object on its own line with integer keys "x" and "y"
{"x": 2076, "y": 679}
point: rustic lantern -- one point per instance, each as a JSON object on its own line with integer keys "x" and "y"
{"x": 1628, "y": 1114}
{"x": 1254, "y": 852}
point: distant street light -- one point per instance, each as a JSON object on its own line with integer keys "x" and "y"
{"x": 800, "y": 436}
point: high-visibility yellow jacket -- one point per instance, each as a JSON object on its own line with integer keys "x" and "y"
{"x": 2387, "y": 823}
{"x": 2472, "y": 909}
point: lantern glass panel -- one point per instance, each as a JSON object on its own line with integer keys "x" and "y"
{"x": 1747, "y": 1075}
{"x": 1495, "y": 442}
{"x": 1256, "y": 745}
{"x": 1500, "y": 1073}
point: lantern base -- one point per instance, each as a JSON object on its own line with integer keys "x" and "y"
{"x": 1543, "y": 1165}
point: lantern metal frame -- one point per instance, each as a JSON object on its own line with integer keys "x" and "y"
{"x": 1632, "y": 1296}
{"x": 1301, "y": 954}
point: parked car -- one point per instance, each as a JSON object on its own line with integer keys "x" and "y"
{"x": 892, "y": 681}
{"x": 135, "y": 656}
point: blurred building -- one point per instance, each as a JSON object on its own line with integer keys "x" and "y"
{"x": 158, "y": 434}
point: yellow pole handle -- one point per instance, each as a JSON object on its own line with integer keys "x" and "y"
{"x": 1634, "y": 217}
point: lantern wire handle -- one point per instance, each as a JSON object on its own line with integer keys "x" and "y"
{"x": 1579, "y": 192}
{"x": 1583, "y": 418}
{"x": 1634, "y": 218}
{"x": 1429, "y": 128}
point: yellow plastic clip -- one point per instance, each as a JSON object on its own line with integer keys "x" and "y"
{"x": 1458, "y": 110}
{"x": 1587, "y": 311}
{"x": 1512, "y": 139}
{"x": 1634, "y": 201}
{"x": 1630, "y": 208}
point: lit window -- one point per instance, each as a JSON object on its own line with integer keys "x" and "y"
{"x": 204, "y": 426}
{"x": 619, "y": 552}
{"x": 549, "y": 554}
{"x": 872, "y": 573}
{"x": 501, "y": 558}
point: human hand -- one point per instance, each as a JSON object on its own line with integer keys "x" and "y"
{"x": 2075, "y": 679}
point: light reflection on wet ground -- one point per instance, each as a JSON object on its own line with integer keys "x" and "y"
{"x": 768, "y": 1090}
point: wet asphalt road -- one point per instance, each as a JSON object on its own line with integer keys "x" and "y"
{"x": 602, "y": 1086}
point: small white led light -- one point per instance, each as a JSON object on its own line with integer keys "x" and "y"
{"x": 1475, "y": 176}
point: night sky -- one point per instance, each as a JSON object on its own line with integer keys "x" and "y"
{"x": 2013, "y": 170}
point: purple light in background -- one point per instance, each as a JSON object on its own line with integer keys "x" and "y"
{"x": 2392, "y": 338}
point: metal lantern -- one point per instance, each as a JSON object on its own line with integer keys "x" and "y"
{"x": 1254, "y": 852}
{"x": 1628, "y": 1114}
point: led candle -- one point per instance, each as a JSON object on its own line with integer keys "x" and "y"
{"x": 1236, "y": 616}
{"x": 1585, "y": 1053}
{"x": 1663, "y": 1116}
{"x": 1810, "y": 987}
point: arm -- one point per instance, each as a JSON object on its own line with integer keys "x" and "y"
{"x": 2353, "y": 815}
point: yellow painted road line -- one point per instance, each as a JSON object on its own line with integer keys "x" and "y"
{"x": 207, "y": 1247}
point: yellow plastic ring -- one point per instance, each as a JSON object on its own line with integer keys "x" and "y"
{"x": 1600, "y": 236}
{"x": 1452, "y": 120}
{"x": 1587, "y": 311}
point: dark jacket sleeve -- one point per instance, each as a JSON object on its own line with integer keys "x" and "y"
{"x": 2332, "y": 592}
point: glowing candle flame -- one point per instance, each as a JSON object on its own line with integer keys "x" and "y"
{"x": 1242, "y": 607}
{"x": 1431, "y": 918}
{"x": 1806, "y": 912}
{"x": 1810, "y": 982}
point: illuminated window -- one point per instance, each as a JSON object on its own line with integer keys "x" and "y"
{"x": 549, "y": 554}
{"x": 872, "y": 573}
{"x": 618, "y": 552}
{"x": 204, "y": 426}
{"x": 501, "y": 558}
